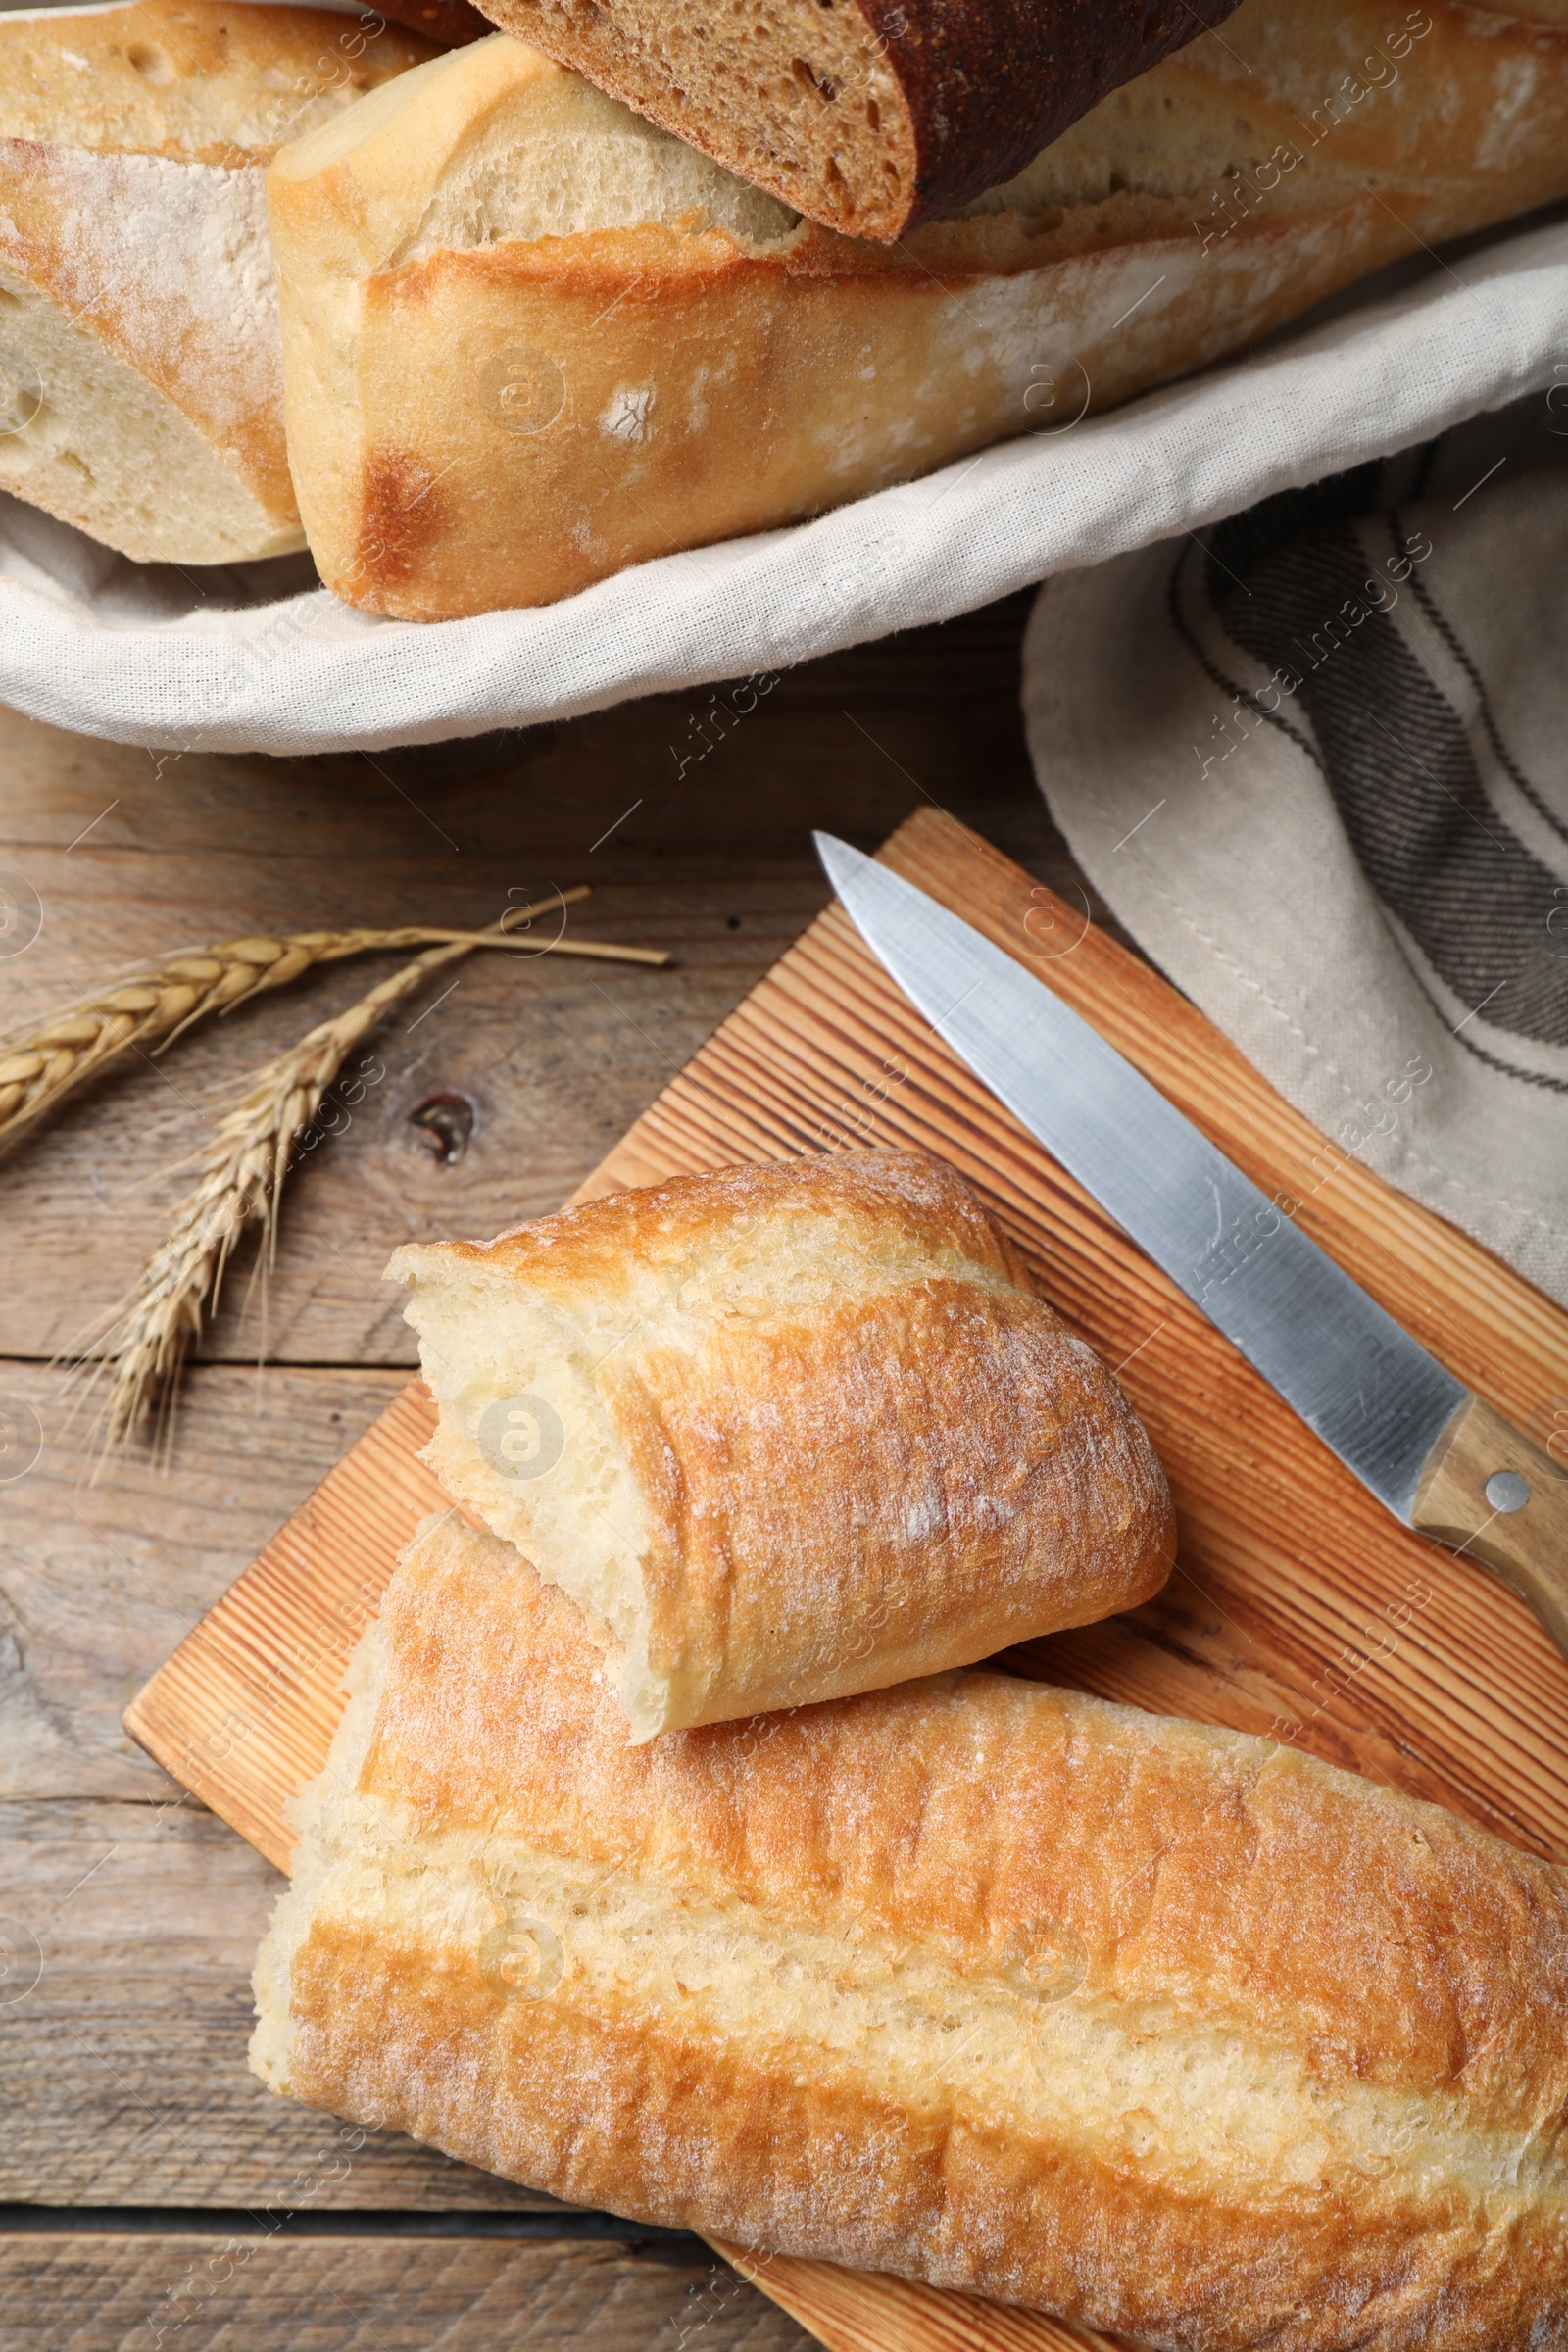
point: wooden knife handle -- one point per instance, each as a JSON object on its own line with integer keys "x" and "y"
{"x": 1496, "y": 1497}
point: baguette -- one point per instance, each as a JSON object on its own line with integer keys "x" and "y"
{"x": 786, "y": 1431}
{"x": 1170, "y": 2031}
{"x": 530, "y": 339}
{"x": 869, "y": 117}
{"x": 140, "y": 365}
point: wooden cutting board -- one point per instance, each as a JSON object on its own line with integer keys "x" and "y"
{"x": 1297, "y": 1608}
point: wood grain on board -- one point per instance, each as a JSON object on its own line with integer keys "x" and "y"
{"x": 1298, "y": 1608}
{"x": 244, "y": 1712}
{"x": 851, "y": 2311}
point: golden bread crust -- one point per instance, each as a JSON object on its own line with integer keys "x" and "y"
{"x": 1159, "y": 2027}
{"x": 930, "y": 1476}
{"x": 859, "y": 1447}
{"x": 913, "y": 1200}
{"x": 671, "y": 384}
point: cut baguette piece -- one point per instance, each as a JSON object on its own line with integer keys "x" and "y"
{"x": 1176, "y": 2032}
{"x": 530, "y": 340}
{"x": 872, "y": 115}
{"x": 786, "y": 1431}
{"x": 140, "y": 365}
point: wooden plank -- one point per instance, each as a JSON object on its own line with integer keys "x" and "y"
{"x": 128, "y": 1934}
{"x": 85, "y": 1205}
{"x": 712, "y": 861}
{"x": 98, "y": 1582}
{"x": 1456, "y": 1695}
{"x": 247, "y": 2292}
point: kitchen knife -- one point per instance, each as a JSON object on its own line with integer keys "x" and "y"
{"x": 1433, "y": 1453}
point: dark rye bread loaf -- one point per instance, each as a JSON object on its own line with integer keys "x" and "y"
{"x": 869, "y": 116}
{"x": 451, "y": 22}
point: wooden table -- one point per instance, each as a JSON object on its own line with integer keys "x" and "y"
{"x": 153, "y": 2193}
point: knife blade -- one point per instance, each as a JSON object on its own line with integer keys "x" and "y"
{"x": 1431, "y": 1451}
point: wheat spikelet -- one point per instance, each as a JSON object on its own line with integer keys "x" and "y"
{"x": 39, "y": 1068}
{"x": 241, "y": 1181}
{"x": 242, "y": 1172}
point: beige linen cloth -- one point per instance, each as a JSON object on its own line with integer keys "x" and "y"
{"x": 1316, "y": 760}
{"x": 258, "y": 657}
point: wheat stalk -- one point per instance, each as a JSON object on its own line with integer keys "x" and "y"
{"x": 241, "y": 1181}
{"x": 148, "y": 1013}
{"x": 243, "y": 1168}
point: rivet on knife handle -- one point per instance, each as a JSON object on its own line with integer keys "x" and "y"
{"x": 1498, "y": 1499}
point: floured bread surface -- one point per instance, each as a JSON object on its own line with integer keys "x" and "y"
{"x": 529, "y": 339}
{"x": 93, "y": 441}
{"x": 1173, "y": 2032}
{"x": 786, "y": 1431}
{"x": 141, "y": 390}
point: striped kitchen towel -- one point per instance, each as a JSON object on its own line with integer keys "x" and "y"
{"x": 1316, "y": 760}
